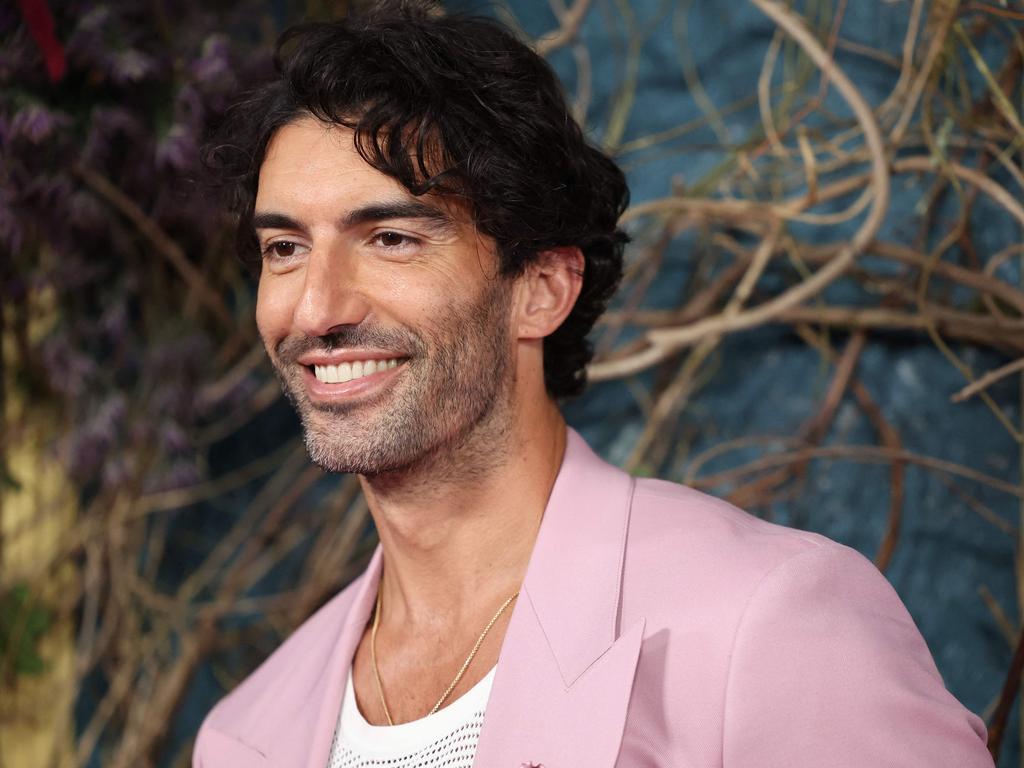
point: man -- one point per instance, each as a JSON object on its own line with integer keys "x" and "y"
{"x": 435, "y": 240}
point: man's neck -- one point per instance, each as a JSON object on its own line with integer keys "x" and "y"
{"x": 457, "y": 542}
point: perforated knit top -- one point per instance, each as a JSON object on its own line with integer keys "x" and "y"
{"x": 445, "y": 739}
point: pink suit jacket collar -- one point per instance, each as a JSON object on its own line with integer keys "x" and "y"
{"x": 565, "y": 672}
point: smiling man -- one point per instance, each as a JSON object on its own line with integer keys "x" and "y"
{"x": 434, "y": 239}
{"x": 385, "y": 315}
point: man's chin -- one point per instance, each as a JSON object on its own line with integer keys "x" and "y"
{"x": 339, "y": 440}
{"x": 359, "y": 459}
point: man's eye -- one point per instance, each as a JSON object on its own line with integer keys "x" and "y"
{"x": 393, "y": 239}
{"x": 281, "y": 249}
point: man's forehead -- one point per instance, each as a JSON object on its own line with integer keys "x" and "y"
{"x": 310, "y": 147}
{"x": 308, "y": 158}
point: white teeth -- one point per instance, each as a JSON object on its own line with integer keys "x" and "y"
{"x": 339, "y": 374}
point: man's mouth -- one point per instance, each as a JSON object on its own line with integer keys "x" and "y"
{"x": 348, "y": 371}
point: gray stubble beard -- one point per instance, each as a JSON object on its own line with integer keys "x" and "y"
{"x": 451, "y": 423}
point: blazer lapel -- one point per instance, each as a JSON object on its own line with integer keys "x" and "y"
{"x": 565, "y": 672}
{"x": 303, "y": 737}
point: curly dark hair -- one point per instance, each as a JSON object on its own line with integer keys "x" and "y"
{"x": 451, "y": 105}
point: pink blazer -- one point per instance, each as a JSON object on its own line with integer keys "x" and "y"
{"x": 657, "y": 628}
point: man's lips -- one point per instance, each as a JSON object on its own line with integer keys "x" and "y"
{"x": 338, "y": 366}
{"x": 329, "y": 382}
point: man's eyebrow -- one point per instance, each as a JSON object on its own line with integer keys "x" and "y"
{"x": 271, "y": 220}
{"x": 398, "y": 209}
{"x": 384, "y": 211}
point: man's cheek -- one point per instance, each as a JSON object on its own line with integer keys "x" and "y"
{"x": 265, "y": 329}
{"x": 274, "y": 308}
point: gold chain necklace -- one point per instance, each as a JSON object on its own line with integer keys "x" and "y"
{"x": 458, "y": 677}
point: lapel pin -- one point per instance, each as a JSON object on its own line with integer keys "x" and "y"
{"x": 530, "y": 765}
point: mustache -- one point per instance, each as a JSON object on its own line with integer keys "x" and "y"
{"x": 405, "y": 342}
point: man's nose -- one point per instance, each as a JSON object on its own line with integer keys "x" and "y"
{"x": 331, "y": 293}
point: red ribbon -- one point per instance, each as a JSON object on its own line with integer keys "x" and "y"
{"x": 40, "y": 24}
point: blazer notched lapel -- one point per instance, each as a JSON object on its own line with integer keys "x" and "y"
{"x": 565, "y": 673}
{"x": 301, "y": 732}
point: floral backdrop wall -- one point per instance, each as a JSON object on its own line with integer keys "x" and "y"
{"x": 822, "y": 320}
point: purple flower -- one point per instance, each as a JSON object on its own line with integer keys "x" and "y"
{"x": 118, "y": 470}
{"x": 113, "y": 323}
{"x": 131, "y": 66}
{"x": 35, "y": 123}
{"x": 97, "y": 439}
{"x": 179, "y": 474}
{"x": 109, "y": 417}
{"x": 109, "y": 46}
{"x": 68, "y": 370}
{"x": 177, "y": 150}
{"x": 174, "y": 439}
{"x": 87, "y": 44}
{"x": 214, "y": 63}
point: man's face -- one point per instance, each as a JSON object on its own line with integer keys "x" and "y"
{"x": 382, "y": 312}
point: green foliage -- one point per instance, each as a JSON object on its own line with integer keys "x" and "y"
{"x": 24, "y": 619}
{"x": 7, "y": 478}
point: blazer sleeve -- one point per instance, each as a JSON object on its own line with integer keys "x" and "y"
{"x": 828, "y": 669}
{"x": 214, "y": 749}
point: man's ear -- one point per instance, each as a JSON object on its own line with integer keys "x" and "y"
{"x": 549, "y": 288}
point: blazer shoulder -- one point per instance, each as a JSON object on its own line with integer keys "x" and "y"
{"x": 696, "y": 559}
{"x": 672, "y": 520}
{"x": 308, "y": 647}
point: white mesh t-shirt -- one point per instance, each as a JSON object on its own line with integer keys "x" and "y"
{"x": 445, "y": 739}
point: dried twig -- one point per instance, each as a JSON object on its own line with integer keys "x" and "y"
{"x": 862, "y": 453}
{"x": 568, "y": 27}
{"x": 988, "y": 380}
